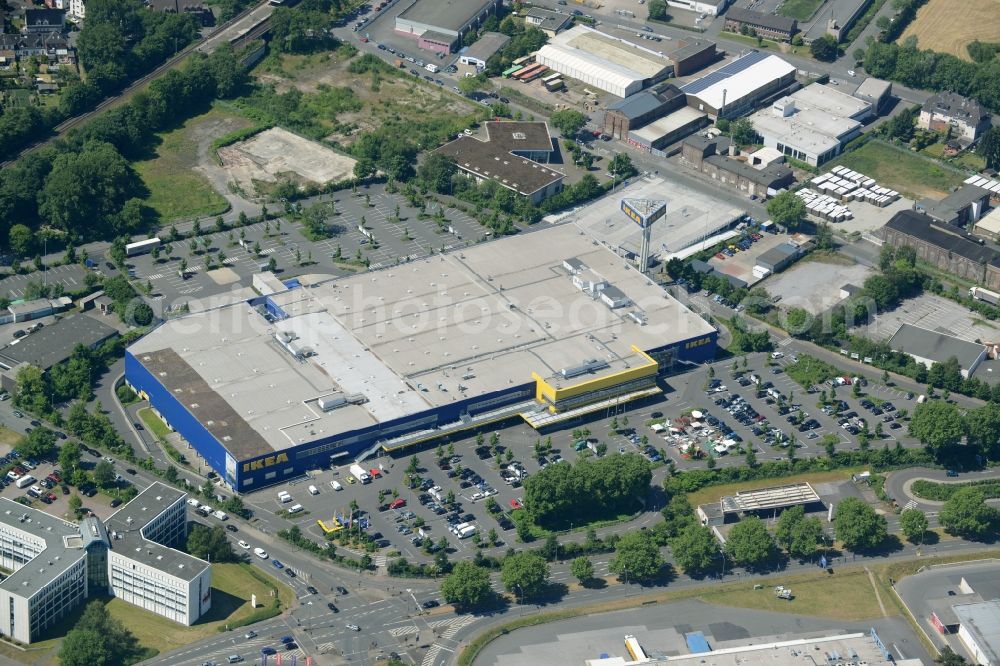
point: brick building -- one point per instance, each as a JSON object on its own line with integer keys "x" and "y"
{"x": 710, "y": 157}
{"x": 948, "y": 248}
{"x": 769, "y": 26}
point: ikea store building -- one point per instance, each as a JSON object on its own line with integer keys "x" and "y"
{"x": 547, "y": 327}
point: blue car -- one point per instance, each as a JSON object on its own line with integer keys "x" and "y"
{"x": 268, "y": 650}
{"x": 277, "y": 564}
{"x": 287, "y": 639}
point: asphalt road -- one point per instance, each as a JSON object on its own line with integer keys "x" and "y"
{"x": 897, "y": 485}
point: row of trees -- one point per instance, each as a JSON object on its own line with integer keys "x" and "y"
{"x": 120, "y": 41}
{"x": 942, "y": 428}
{"x": 589, "y": 490}
{"x": 929, "y": 70}
{"x": 83, "y": 187}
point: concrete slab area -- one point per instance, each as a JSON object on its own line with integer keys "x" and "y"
{"x": 741, "y": 264}
{"x": 814, "y": 285}
{"x": 277, "y": 152}
{"x": 868, "y": 218}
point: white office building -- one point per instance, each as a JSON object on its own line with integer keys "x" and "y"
{"x": 57, "y": 565}
{"x": 813, "y": 124}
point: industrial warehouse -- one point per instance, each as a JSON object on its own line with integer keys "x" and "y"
{"x": 547, "y": 326}
{"x": 609, "y": 63}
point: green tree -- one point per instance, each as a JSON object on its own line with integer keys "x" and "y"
{"x": 695, "y": 549}
{"x": 20, "y": 239}
{"x": 104, "y": 474}
{"x": 98, "y": 639}
{"x": 75, "y": 504}
{"x": 938, "y": 425}
{"x": 857, "y": 525}
{"x": 468, "y": 585}
{"x": 749, "y": 543}
{"x": 69, "y": 458}
{"x": 621, "y": 166}
{"x": 983, "y": 427}
{"x": 39, "y": 444}
{"x": 949, "y": 658}
{"x": 470, "y": 84}
{"x": 436, "y": 172}
{"x": 989, "y": 147}
{"x": 568, "y": 121}
{"x": 825, "y": 48}
{"x": 525, "y": 573}
{"x": 967, "y": 515}
{"x": 789, "y": 518}
{"x": 787, "y": 210}
{"x": 211, "y": 544}
{"x": 636, "y": 557}
{"x": 806, "y": 535}
{"x": 914, "y": 524}
{"x": 582, "y": 569}
{"x": 742, "y": 132}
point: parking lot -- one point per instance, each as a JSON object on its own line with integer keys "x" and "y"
{"x": 385, "y": 242}
{"x": 71, "y": 277}
{"x": 935, "y": 313}
{"x": 45, "y": 489}
{"x": 739, "y": 262}
{"x": 738, "y": 413}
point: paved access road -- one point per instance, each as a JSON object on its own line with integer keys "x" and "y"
{"x": 897, "y": 485}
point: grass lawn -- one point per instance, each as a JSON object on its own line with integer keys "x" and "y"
{"x": 154, "y": 423}
{"x": 966, "y": 160}
{"x": 840, "y": 596}
{"x": 8, "y": 436}
{"x": 810, "y": 371}
{"x": 232, "y": 586}
{"x": 913, "y": 175}
{"x": 176, "y": 190}
{"x": 713, "y": 493}
{"x": 799, "y": 9}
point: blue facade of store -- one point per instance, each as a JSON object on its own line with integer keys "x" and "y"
{"x": 277, "y": 466}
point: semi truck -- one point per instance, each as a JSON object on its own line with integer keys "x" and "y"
{"x": 141, "y": 247}
{"x": 986, "y": 295}
{"x": 359, "y": 473}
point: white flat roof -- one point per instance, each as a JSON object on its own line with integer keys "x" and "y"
{"x": 690, "y": 215}
{"x": 745, "y": 82}
{"x": 607, "y": 56}
{"x": 420, "y": 335}
{"x": 829, "y": 99}
{"x": 990, "y": 223}
{"x": 668, "y": 123}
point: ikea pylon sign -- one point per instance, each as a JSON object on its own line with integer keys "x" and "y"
{"x": 639, "y": 217}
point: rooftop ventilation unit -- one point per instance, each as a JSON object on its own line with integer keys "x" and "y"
{"x": 586, "y": 367}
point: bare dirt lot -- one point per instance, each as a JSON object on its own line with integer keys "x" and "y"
{"x": 948, "y": 26}
{"x": 278, "y": 153}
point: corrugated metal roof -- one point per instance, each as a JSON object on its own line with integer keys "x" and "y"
{"x": 726, "y": 71}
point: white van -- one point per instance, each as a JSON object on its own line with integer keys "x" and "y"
{"x": 221, "y": 515}
{"x": 336, "y": 485}
{"x": 284, "y": 497}
{"x": 192, "y": 502}
{"x": 27, "y": 479}
{"x": 295, "y": 508}
{"x": 313, "y": 490}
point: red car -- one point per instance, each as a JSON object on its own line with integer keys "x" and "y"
{"x": 398, "y": 503}
{"x": 51, "y": 496}
{"x": 375, "y": 472}
{"x": 55, "y": 475}
{"x": 516, "y": 504}
{"x": 363, "y": 40}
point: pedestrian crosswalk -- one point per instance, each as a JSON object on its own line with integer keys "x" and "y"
{"x": 912, "y": 504}
{"x": 784, "y": 342}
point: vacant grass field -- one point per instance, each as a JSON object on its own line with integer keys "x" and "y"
{"x": 902, "y": 170}
{"x": 713, "y": 493}
{"x": 809, "y": 371}
{"x": 799, "y": 9}
{"x": 967, "y": 160}
{"x": 232, "y": 586}
{"x": 840, "y": 596}
{"x": 176, "y": 189}
{"x": 154, "y": 423}
{"x": 947, "y": 26}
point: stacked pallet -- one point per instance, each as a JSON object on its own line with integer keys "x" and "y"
{"x": 824, "y": 206}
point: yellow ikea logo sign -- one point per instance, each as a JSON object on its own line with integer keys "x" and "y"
{"x": 254, "y": 465}
{"x": 697, "y": 343}
{"x": 631, "y": 213}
